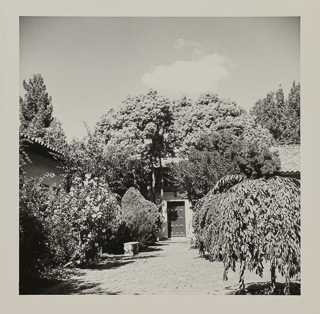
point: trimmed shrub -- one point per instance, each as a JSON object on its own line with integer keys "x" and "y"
{"x": 141, "y": 217}
{"x": 252, "y": 222}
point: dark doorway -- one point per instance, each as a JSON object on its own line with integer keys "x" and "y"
{"x": 176, "y": 219}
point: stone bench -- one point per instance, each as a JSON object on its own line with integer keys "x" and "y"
{"x": 131, "y": 248}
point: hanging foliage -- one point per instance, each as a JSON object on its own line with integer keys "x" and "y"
{"x": 252, "y": 222}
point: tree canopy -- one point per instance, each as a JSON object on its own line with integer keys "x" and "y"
{"x": 143, "y": 128}
{"x": 36, "y": 118}
{"x": 207, "y": 114}
{"x": 216, "y": 138}
{"x": 279, "y": 115}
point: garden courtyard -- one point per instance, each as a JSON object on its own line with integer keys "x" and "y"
{"x": 160, "y": 169}
{"x": 201, "y": 173}
{"x": 168, "y": 267}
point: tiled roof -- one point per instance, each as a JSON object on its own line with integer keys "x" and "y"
{"x": 37, "y": 141}
{"x": 289, "y": 157}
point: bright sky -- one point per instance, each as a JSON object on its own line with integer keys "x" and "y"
{"x": 89, "y": 65}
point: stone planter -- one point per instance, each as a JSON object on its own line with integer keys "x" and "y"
{"x": 131, "y": 248}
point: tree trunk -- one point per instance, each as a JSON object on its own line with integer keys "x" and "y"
{"x": 273, "y": 277}
{"x": 241, "y": 280}
{"x": 287, "y": 287}
{"x": 134, "y": 179}
{"x": 153, "y": 182}
{"x": 161, "y": 177}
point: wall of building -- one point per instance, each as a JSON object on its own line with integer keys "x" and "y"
{"x": 42, "y": 163}
{"x": 171, "y": 196}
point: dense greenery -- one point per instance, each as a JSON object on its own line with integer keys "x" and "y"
{"x": 46, "y": 238}
{"x": 59, "y": 227}
{"x": 218, "y": 138}
{"x": 36, "y": 118}
{"x": 141, "y": 134}
{"x": 207, "y": 114}
{"x": 252, "y": 222}
{"x": 141, "y": 217}
{"x": 248, "y": 216}
{"x": 94, "y": 212}
{"x": 279, "y": 115}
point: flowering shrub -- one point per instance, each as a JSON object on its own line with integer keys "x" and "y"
{"x": 58, "y": 227}
{"x": 35, "y": 254}
{"x": 46, "y": 239}
{"x": 252, "y": 222}
{"x": 93, "y": 211}
{"x": 141, "y": 217}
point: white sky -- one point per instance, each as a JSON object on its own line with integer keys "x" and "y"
{"x": 90, "y": 64}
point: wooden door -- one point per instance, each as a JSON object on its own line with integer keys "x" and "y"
{"x": 176, "y": 219}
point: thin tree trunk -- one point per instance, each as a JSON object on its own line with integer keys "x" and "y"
{"x": 153, "y": 182}
{"x": 287, "y": 287}
{"x": 273, "y": 277}
{"x": 161, "y": 177}
{"x": 241, "y": 281}
{"x": 134, "y": 179}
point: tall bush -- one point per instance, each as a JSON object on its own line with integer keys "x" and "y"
{"x": 141, "y": 217}
{"x": 253, "y": 222}
{"x": 94, "y": 212}
{"x": 46, "y": 236}
{"x": 34, "y": 251}
{"x": 57, "y": 227}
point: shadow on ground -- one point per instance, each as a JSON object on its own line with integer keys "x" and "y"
{"x": 151, "y": 249}
{"x": 263, "y": 288}
{"x": 110, "y": 265}
{"x": 79, "y": 287}
{"x": 143, "y": 257}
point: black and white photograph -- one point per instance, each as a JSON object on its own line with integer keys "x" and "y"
{"x": 159, "y": 156}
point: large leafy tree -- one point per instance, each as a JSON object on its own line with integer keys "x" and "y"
{"x": 203, "y": 116}
{"x": 279, "y": 115}
{"x": 217, "y": 137}
{"x": 143, "y": 125}
{"x": 202, "y": 168}
{"x": 114, "y": 163}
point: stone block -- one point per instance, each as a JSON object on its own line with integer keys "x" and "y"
{"x": 131, "y": 248}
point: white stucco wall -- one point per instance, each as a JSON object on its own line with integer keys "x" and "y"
{"x": 41, "y": 164}
{"x": 170, "y": 196}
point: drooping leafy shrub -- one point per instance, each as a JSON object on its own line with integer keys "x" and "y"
{"x": 206, "y": 213}
{"x": 141, "y": 217}
{"x": 253, "y": 222}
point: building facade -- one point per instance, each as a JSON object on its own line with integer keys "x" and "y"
{"x": 43, "y": 159}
